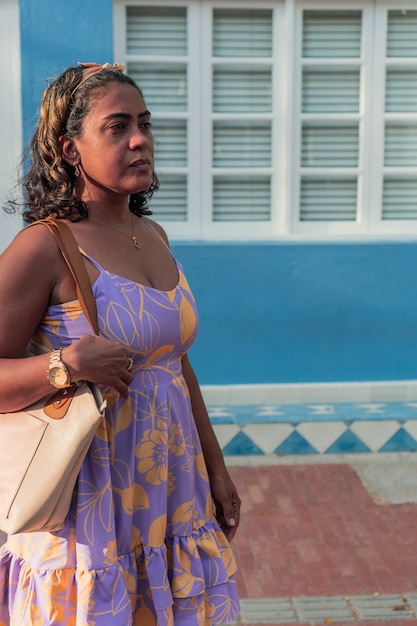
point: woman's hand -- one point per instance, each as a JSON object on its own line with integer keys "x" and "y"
{"x": 227, "y": 503}
{"x": 223, "y": 491}
{"x": 99, "y": 360}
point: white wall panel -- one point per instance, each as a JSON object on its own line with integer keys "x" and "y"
{"x": 10, "y": 115}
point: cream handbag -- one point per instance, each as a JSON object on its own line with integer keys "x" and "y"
{"x": 43, "y": 446}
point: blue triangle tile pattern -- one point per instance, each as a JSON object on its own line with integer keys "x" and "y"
{"x": 399, "y": 442}
{"x": 258, "y": 425}
{"x": 241, "y": 444}
{"x": 348, "y": 442}
{"x": 294, "y": 444}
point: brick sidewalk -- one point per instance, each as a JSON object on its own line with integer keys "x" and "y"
{"x": 314, "y": 531}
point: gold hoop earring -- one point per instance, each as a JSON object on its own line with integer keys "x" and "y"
{"x": 77, "y": 171}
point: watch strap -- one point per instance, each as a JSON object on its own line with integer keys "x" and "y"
{"x": 55, "y": 361}
{"x": 55, "y": 357}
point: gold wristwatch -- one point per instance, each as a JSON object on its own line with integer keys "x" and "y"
{"x": 58, "y": 374}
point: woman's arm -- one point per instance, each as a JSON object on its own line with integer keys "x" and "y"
{"x": 225, "y": 497}
{"x": 223, "y": 491}
{"x": 33, "y": 275}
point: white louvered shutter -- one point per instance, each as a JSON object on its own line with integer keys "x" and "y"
{"x": 241, "y": 111}
{"x": 399, "y": 200}
{"x": 156, "y": 49}
{"x": 330, "y": 108}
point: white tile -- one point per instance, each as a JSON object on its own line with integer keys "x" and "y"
{"x": 268, "y": 436}
{"x": 375, "y": 434}
{"x": 411, "y": 427}
{"x": 216, "y": 394}
{"x": 338, "y": 392}
{"x": 373, "y": 408}
{"x": 321, "y": 435}
{"x": 321, "y": 409}
{"x": 225, "y": 433}
{"x": 389, "y": 392}
{"x": 411, "y": 390}
{"x": 246, "y": 394}
{"x": 318, "y": 393}
{"x": 323, "y": 393}
{"x": 220, "y": 411}
{"x": 353, "y": 392}
{"x": 375, "y": 391}
{"x": 282, "y": 394}
{"x": 268, "y": 410}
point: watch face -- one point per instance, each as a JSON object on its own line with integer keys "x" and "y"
{"x": 58, "y": 376}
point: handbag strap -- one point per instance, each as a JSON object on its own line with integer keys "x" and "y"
{"x": 72, "y": 255}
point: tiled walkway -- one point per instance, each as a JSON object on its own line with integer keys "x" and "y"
{"x": 316, "y": 428}
{"x": 314, "y": 547}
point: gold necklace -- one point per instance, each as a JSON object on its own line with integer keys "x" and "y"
{"x": 132, "y": 236}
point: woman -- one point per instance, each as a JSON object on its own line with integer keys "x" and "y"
{"x": 141, "y": 544}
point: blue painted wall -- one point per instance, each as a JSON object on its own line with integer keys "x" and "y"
{"x": 303, "y": 312}
{"x": 270, "y": 312}
{"x": 55, "y": 34}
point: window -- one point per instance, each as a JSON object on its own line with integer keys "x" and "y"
{"x": 241, "y": 110}
{"x": 278, "y": 118}
{"x": 157, "y": 44}
{"x": 399, "y": 199}
{"x": 330, "y": 115}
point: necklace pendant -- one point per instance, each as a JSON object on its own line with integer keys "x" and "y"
{"x": 136, "y": 242}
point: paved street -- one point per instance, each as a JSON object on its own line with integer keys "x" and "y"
{"x": 327, "y": 540}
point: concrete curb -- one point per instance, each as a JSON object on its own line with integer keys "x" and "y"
{"x": 328, "y": 610}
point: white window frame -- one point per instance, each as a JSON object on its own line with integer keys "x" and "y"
{"x": 10, "y": 118}
{"x": 253, "y": 229}
{"x": 286, "y": 125}
{"x": 192, "y": 226}
{"x": 379, "y": 226}
{"x": 364, "y": 62}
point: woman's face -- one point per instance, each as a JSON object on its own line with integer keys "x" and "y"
{"x": 115, "y": 147}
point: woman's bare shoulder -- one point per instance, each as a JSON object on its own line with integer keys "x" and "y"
{"x": 158, "y": 229}
{"x": 30, "y": 269}
{"x": 32, "y": 255}
{"x": 31, "y": 238}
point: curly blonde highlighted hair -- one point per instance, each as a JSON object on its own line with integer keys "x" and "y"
{"x": 49, "y": 183}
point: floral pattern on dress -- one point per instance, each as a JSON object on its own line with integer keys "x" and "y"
{"x": 140, "y": 545}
